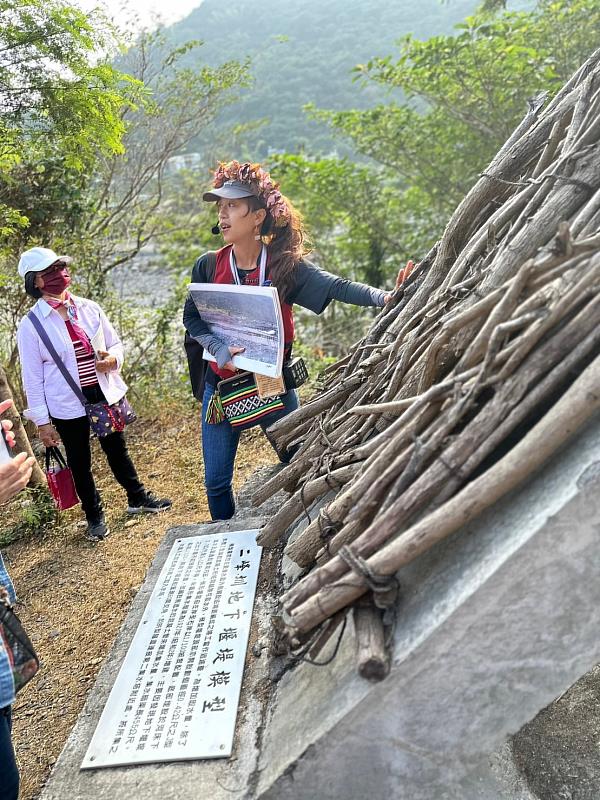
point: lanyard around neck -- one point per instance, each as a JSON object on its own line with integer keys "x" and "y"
{"x": 262, "y": 267}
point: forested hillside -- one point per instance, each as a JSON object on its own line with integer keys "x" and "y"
{"x": 305, "y": 53}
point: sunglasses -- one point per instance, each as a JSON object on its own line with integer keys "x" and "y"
{"x": 53, "y": 268}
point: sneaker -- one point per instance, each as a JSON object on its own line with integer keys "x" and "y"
{"x": 97, "y": 529}
{"x": 149, "y": 504}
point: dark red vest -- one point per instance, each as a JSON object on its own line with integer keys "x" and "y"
{"x": 223, "y": 275}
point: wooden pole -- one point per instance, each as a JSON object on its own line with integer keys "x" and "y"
{"x": 372, "y": 658}
{"x": 566, "y": 417}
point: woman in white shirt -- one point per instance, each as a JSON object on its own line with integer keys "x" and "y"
{"x": 70, "y": 323}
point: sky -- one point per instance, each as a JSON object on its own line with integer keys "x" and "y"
{"x": 120, "y": 10}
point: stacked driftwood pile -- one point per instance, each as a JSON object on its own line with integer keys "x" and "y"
{"x": 481, "y": 367}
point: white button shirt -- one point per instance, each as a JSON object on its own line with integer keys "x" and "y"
{"x": 48, "y": 393}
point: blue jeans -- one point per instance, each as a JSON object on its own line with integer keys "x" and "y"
{"x": 9, "y": 774}
{"x": 219, "y": 447}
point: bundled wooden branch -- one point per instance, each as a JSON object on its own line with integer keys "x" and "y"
{"x": 495, "y": 333}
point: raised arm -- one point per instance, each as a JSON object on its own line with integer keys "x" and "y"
{"x": 316, "y": 288}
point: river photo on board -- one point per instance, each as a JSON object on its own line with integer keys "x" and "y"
{"x": 244, "y": 316}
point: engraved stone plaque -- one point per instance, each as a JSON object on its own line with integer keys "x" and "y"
{"x": 176, "y": 695}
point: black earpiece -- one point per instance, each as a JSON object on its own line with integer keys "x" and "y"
{"x": 215, "y": 230}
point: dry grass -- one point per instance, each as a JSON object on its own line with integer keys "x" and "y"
{"x": 76, "y": 593}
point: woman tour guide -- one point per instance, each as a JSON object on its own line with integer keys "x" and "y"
{"x": 263, "y": 235}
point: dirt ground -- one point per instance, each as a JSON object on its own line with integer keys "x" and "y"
{"x": 76, "y": 593}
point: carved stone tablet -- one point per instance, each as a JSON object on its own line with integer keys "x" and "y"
{"x": 176, "y": 695}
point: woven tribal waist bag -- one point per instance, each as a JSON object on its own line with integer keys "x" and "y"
{"x": 236, "y": 399}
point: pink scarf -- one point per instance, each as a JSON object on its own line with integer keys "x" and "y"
{"x": 73, "y": 320}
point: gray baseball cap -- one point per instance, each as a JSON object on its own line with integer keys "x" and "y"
{"x": 231, "y": 190}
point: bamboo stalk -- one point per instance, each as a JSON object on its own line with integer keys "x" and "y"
{"x": 291, "y": 510}
{"x": 575, "y": 407}
{"x": 429, "y": 483}
{"x": 539, "y": 394}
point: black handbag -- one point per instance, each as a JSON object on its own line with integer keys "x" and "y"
{"x": 295, "y": 373}
{"x": 22, "y": 657}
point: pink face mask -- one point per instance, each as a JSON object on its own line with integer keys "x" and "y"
{"x": 56, "y": 282}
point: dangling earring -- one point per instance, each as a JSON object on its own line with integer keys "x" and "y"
{"x": 257, "y": 237}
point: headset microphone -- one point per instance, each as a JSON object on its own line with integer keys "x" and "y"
{"x": 215, "y": 230}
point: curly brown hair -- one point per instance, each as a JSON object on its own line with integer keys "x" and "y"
{"x": 286, "y": 246}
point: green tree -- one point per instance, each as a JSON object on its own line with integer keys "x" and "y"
{"x": 112, "y": 201}
{"x": 305, "y": 51}
{"x": 60, "y": 105}
{"x": 352, "y": 214}
{"x": 465, "y": 95}
{"x": 51, "y": 90}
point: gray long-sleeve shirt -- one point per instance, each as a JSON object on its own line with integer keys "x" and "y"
{"x": 314, "y": 289}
